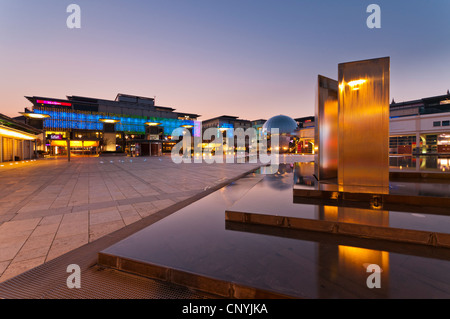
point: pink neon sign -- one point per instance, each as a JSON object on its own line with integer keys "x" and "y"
{"x": 53, "y": 103}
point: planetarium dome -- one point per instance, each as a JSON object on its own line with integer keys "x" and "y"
{"x": 283, "y": 123}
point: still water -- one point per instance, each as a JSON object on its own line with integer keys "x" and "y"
{"x": 420, "y": 163}
{"x": 198, "y": 240}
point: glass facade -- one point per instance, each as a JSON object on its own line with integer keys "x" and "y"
{"x": 66, "y": 119}
{"x": 402, "y": 144}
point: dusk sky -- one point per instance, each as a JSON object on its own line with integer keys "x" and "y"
{"x": 248, "y": 58}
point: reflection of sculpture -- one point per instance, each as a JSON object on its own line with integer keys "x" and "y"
{"x": 362, "y": 122}
{"x": 282, "y": 179}
{"x": 303, "y": 174}
{"x": 346, "y": 268}
{"x": 351, "y": 262}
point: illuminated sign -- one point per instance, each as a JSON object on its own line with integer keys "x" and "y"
{"x": 53, "y": 103}
{"x": 76, "y": 143}
{"x": 55, "y": 137}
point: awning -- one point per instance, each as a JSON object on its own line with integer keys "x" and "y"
{"x": 75, "y": 143}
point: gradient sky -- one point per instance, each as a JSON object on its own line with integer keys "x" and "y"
{"x": 249, "y": 58}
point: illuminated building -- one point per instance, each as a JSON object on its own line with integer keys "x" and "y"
{"x": 305, "y": 135}
{"x": 130, "y": 124}
{"x": 258, "y": 124}
{"x": 415, "y": 127}
{"x": 225, "y": 122}
{"x": 227, "y": 125}
{"x": 420, "y": 126}
{"x": 17, "y": 140}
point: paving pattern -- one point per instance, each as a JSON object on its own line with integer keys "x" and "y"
{"x": 50, "y": 207}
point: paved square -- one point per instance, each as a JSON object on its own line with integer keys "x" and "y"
{"x": 51, "y": 206}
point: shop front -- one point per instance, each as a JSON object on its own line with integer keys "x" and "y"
{"x": 443, "y": 143}
{"x": 144, "y": 148}
{"x": 17, "y": 140}
{"x": 77, "y": 147}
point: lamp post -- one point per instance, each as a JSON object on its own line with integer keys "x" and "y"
{"x": 68, "y": 147}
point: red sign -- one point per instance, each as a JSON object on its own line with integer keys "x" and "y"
{"x": 53, "y": 103}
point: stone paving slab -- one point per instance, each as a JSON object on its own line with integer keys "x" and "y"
{"x": 51, "y": 206}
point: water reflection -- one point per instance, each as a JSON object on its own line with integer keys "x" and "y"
{"x": 351, "y": 262}
{"x": 303, "y": 174}
{"x": 353, "y": 215}
{"x": 420, "y": 163}
{"x": 282, "y": 178}
{"x": 303, "y": 177}
{"x": 304, "y": 264}
{"x": 341, "y": 265}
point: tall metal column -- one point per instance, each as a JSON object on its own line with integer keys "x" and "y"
{"x": 363, "y": 140}
{"x": 326, "y": 129}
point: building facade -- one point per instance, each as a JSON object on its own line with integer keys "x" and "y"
{"x": 415, "y": 127}
{"x": 17, "y": 140}
{"x": 420, "y": 126}
{"x": 305, "y": 135}
{"x": 226, "y": 122}
{"x": 128, "y": 124}
{"x": 225, "y": 125}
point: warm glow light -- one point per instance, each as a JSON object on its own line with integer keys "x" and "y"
{"x": 356, "y": 82}
{"x": 75, "y": 143}
{"x": 35, "y": 115}
{"x": 353, "y": 258}
{"x": 109, "y": 121}
{"x": 90, "y": 143}
{"x": 153, "y": 123}
{"x": 187, "y": 126}
{"x": 13, "y": 133}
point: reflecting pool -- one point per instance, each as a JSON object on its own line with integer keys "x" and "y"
{"x": 198, "y": 240}
{"x": 432, "y": 163}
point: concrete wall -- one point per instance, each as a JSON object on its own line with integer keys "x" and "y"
{"x": 421, "y": 124}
